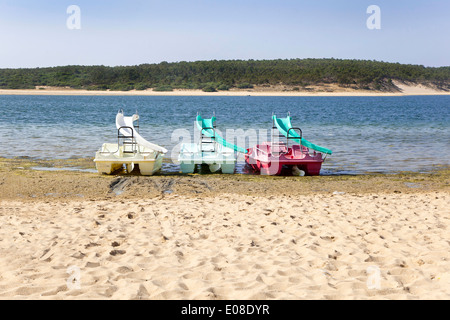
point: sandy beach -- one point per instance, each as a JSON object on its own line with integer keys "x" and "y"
{"x": 330, "y": 90}
{"x": 79, "y": 235}
{"x": 217, "y": 156}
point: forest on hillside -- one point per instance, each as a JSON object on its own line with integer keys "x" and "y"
{"x": 226, "y": 74}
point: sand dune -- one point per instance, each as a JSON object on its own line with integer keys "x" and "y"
{"x": 318, "y": 246}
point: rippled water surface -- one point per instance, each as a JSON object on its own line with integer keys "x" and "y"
{"x": 366, "y": 134}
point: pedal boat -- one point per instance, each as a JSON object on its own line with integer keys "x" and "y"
{"x": 131, "y": 150}
{"x": 113, "y": 157}
{"x": 296, "y": 153}
{"x": 269, "y": 159}
{"x": 217, "y": 158}
{"x": 211, "y": 150}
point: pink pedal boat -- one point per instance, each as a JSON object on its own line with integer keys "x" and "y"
{"x": 303, "y": 157}
{"x": 269, "y": 159}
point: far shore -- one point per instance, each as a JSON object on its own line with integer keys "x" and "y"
{"x": 317, "y": 91}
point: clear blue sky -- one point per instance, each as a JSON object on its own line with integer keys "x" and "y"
{"x": 113, "y": 32}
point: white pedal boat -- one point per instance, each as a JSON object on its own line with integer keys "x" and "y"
{"x": 131, "y": 150}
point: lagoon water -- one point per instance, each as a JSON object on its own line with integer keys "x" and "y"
{"x": 366, "y": 134}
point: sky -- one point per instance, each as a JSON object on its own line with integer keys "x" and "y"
{"x": 113, "y": 32}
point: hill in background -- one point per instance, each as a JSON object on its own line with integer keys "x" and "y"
{"x": 211, "y": 76}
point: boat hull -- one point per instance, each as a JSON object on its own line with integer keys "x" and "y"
{"x": 222, "y": 159}
{"x": 107, "y": 161}
{"x": 270, "y": 160}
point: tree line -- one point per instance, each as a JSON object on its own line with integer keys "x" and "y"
{"x": 226, "y": 74}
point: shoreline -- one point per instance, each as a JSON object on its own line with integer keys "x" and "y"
{"x": 199, "y": 93}
{"x": 315, "y": 91}
{"x": 77, "y": 179}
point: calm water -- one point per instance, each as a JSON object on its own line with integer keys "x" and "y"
{"x": 366, "y": 134}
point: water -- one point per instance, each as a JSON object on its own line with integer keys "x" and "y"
{"x": 366, "y": 134}
{"x": 63, "y": 169}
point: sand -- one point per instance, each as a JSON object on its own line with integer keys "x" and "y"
{"x": 214, "y": 237}
{"x": 405, "y": 89}
{"x": 228, "y": 247}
